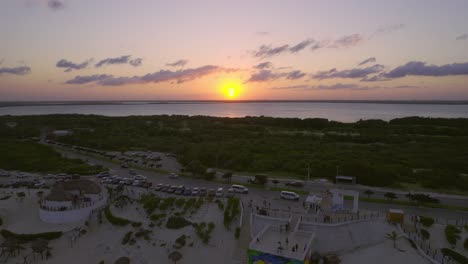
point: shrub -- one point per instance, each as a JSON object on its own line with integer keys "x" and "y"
{"x": 426, "y": 221}
{"x": 157, "y": 217}
{"x": 30, "y": 237}
{"x": 180, "y": 202}
{"x": 5, "y": 197}
{"x": 452, "y": 233}
{"x": 150, "y": 202}
{"x": 143, "y": 233}
{"x": 237, "y": 233}
{"x": 454, "y": 255}
{"x": 413, "y": 245}
{"x": 177, "y": 222}
{"x": 114, "y": 219}
{"x": 136, "y": 224}
{"x": 180, "y": 241}
{"x": 231, "y": 211}
{"x": 127, "y": 237}
{"x": 466, "y": 244}
{"x": 425, "y": 234}
{"x": 203, "y": 231}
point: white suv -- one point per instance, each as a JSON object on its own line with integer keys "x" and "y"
{"x": 239, "y": 189}
{"x": 289, "y": 195}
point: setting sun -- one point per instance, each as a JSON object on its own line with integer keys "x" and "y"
{"x": 231, "y": 89}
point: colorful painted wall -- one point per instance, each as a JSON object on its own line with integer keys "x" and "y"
{"x": 257, "y": 257}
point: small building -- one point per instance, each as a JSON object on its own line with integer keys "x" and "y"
{"x": 396, "y": 216}
{"x": 71, "y": 201}
{"x": 345, "y": 179}
{"x": 333, "y": 200}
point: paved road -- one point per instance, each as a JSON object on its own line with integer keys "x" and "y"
{"x": 259, "y": 195}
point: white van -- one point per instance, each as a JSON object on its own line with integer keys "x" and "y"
{"x": 239, "y": 189}
{"x": 219, "y": 192}
{"x": 289, "y": 195}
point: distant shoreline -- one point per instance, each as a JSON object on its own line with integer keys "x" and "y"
{"x": 137, "y": 102}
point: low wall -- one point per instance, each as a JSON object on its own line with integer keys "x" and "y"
{"x": 69, "y": 216}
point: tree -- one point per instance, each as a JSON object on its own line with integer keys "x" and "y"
{"x": 390, "y": 196}
{"x": 261, "y": 179}
{"x": 227, "y": 176}
{"x": 275, "y": 181}
{"x": 369, "y": 192}
{"x": 392, "y": 236}
{"x": 421, "y": 198}
{"x": 175, "y": 256}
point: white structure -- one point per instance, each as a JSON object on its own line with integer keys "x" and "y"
{"x": 333, "y": 200}
{"x": 71, "y": 201}
{"x": 61, "y": 132}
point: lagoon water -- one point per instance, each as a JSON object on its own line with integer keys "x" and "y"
{"x": 343, "y": 112}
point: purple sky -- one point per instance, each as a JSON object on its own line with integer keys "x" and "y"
{"x": 265, "y": 49}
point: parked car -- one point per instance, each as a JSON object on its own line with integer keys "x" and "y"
{"x": 173, "y": 176}
{"x": 39, "y": 183}
{"x": 187, "y": 192}
{"x": 171, "y": 189}
{"x": 211, "y": 193}
{"x": 49, "y": 176}
{"x": 137, "y": 183}
{"x": 240, "y": 189}
{"x": 219, "y": 192}
{"x": 230, "y": 193}
{"x": 202, "y": 191}
{"x": 289, "y": 195}
{"x": 132, "y": 172}
{"x": 103, "y": 174}
{"x": 195, "y": 191}
{"x": 139, "y": 177}
{"x": 180, "y": 190}
{"x": 158, "y": 187}
{"x": 4, "y": 174}
{"x": 165, "y": 188}
{"x": 21, "y": 175}
{"x": 297, "y": 184}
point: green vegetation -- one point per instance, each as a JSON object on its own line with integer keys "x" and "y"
{"x": 452, "y": 233}
{"x": 180, "y": 242}
{"x": 428, "y": 152}
{"x": 455, "y": 255}
{"x": 425, "y": 234}
{"x": 203, "y": 231}
{"x": 24, "y": 238}
{"x": 118, "y": 221}
{"x": 237, "y": 233}
{"x": 177, "y": 222}
{"x": 127, "y": 237}
{"x": 465, "y": 244}
{"x": 426, "y": 221}
{"x": 34, "y": 157}
{"x": 231, "y": 211}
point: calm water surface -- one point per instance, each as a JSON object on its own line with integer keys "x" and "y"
{"x": 344, "y": 112}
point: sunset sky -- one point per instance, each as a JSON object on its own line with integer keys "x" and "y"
{"x": 243, "y": 50}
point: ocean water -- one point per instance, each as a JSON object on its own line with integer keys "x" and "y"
{"x": 343, "y": 112}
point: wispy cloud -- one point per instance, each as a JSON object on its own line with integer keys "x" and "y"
{"x": 179, "y": 63}
{"x": 369, "y": 60}
{"x": 120, "y": 60}
{"x": 266, "y": 51}
{"x": 294, "y": 75}
{"x": 337, "y": 86}
{"x": 69, "y": 65}
{"x": 55, "y": 4}
{"x": 179, "y": 76}
{"x": 349, "y": 73}
{"x": 462, "y": 37}
{"x": 22, "y": 70}
{"x": 263, "y": 65}
{"x": 347, "y": 41}
{"x": 419, "y": 68}
{"x": 88, "y": 79}
{"x": 301, "y": 45}
{"x": 383, "y": 30}
{"x": 264, "y": 76}
{"x": 262, "y": 33}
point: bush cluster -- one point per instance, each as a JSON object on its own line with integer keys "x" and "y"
{"x": 30, "y": 237}
{"x": 204, "y": 230}
{"x": 452, "y": 233}
{"x": 118, "y": 221}
{"x": 177, "y": 222}
{"x": 426, "y": 221}
{"x": 425, "y": 234}
{"x": 231, "y": 211}
{"x": 455, "y": 255}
